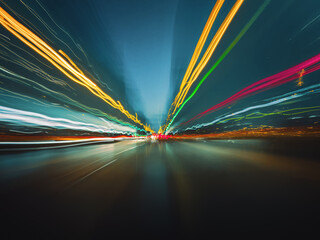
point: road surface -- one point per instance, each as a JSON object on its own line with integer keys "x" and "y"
{"x": 161, "y": 189}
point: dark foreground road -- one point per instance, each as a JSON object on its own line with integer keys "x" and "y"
{"x": 163, "y": 189}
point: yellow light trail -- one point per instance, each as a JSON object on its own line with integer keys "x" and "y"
{"x": 65, "y": 65}
{"x": 186, "y": 84}
{"x": 199, "y": 46}
{"x": 207, "y": 55}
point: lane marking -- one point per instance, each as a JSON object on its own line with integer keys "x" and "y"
{"x": 88, "y": 175}
{"x": 103, "y": 166}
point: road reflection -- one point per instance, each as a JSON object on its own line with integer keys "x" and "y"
{"x": 170, "y": 188}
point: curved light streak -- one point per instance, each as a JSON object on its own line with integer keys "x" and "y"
{"x": 65, "y": 65}
{"x": 27, "y": 118}
{"x": 281, "y": 78}
{"x": 205, "y": 58}
{"x": 279, "y": 100}
{"x": 203, "y": 37}
{"x": 224, "y": 54}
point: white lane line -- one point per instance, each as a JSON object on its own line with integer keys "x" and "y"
{"x": 103, "y": 166}
{"x": 51, "y": 147}
{"x": 88, "y": 175}
{"x": 57, "y": 142}
{"x": 100, "y": 159}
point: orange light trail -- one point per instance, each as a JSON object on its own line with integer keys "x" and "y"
{"x": 186, "y": 84}
{"x": 64, "y": 65}
{"x": 199, "y": 46}
{"x": 260, "y": 132}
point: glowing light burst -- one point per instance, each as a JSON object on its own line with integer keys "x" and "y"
{"x": 62, "y": 62}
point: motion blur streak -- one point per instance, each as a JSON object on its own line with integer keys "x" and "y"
{"x": 67, "y": 68}
{"x": 225, "y": 53}
{"x": 283, "y": 77}
{"x": 59, "y": 95}
{"x": 26, "y": 118}
{"x": 288, "y": 112}
{"x": 207, "y": 55}
{"x": 284, "y": 99}
{"x": 198, "y": 48}
{"x": 276, "y": 101}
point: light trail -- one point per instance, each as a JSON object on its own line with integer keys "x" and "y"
{"x": 36, "y": 145}
{"x": 56, "y": 142}
{"x": 281, "y": 78}
{"x": 259, "y": 132}
{"x": 61, "y": 61}
{"x": 199, "y": 46}
{"x": 47, "y": 91}
{"x": 224, "y": 54}
{"x": 288, "y": 112}
{"x": 285, "y": 99}
{"x": 36, "y": 120}
{"x": 207, "y": 55}
{"x": 205, "y": 58}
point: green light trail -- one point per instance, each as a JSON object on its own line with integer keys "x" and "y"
{"x": 224, "y": 54}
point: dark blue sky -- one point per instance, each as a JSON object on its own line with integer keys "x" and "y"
{"x": 142, "y": 32}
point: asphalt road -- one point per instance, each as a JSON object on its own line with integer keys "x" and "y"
{"x": 161, "y": 189}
